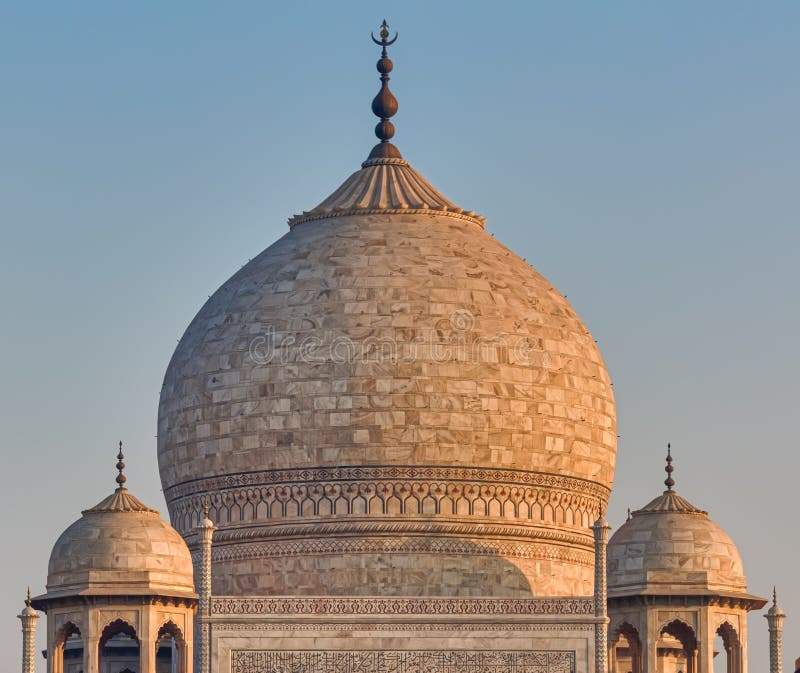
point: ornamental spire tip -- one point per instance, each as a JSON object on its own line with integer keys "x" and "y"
{"x": 384, "y": 105}
{"x": 121, "y": 478}
{"x": 669, "y": 482}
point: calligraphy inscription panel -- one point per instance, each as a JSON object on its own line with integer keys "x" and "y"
{"x": 402, "y": 661}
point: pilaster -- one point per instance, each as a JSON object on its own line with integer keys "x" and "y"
{"x": 601, "y": 530}
{"x": 203, "y": 658}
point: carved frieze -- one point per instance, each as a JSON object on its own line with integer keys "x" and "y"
{"x": 289, "y": 496}
{"x": 436, "y": 545}
{"x": 229, "y": 606}
{"x": 402, "y": 661}
{"x": 249, "y": 628}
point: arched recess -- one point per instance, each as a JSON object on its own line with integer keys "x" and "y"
{"x": 68, "y": 644}
{"x": 626, "y": 655}
{"x": 686, "y": 636}
{"x": 732, "y": 645}
{"x": 171, "y": 652}
{"x": 119, "y": 647}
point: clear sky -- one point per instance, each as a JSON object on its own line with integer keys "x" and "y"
{"x": 643, "y": 156}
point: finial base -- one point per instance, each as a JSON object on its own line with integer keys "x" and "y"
{"x": 384, "y": 150}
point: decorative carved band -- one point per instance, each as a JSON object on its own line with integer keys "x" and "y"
{"x": 393, "y": 491}
{"x": 248, "y": 627}
{"x": 365, "y": 527}
{"x": 267, "y": 606}
{"x": 423, "y": 545}
{"x": 381, "y": 472}
{"x": 402, "y": 661}
{"x": 475, "y": 219}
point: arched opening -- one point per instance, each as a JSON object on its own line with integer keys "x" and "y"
{"x": 119, "y": 648}
{"x": 676, "y": 648}
{"x": 73, "y": 653}
{"x": 68, "y": 650}
{"x": 626, "y": 650}
{"x": 170, "y": 650}
{"x": 727, "y": 641}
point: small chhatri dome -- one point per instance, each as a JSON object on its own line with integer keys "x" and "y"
{"x": 669, "y": 546}
{"x": 120, "y": 546}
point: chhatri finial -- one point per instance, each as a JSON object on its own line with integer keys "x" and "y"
{"x": 28, "y": 599}
{"x": 384, "y": 105}
{"x": 774, "y": 596}
{"x": 121, "y": 479}
{"x": 669, "y": 482}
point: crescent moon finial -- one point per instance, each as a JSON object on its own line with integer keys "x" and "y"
{"x": 384, "y": 105}
{"x": 384, "y": 42}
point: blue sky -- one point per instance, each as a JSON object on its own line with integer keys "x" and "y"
{"x": 643, "y": 156}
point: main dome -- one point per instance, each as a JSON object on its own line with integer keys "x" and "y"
{"x": 388, "y": 401}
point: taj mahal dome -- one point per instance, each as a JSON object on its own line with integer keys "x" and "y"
{"x": 387, "y": 444}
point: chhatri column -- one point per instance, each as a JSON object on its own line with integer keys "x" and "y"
{"x": 206, "y": 530}
{"x": 28, "y": 618}
{"x": 147, "y": 641}
{"x": 601, "y": 529}
{"x": 775, "y": 617}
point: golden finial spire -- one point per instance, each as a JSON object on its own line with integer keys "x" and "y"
{"x": 384, "y": 105}
{"x": 28, "y": 599}
{"x": 121, "y": 479}
{"x": 669, "y": 482}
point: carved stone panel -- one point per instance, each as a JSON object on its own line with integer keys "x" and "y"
{"x": 401, "y": 661}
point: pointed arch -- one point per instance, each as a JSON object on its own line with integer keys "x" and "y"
{"x": 178, "y": 650}
{"x": 170, "y": 628}
{"x": 67, "y": 631}
{"x": 119, "y": 631}
{"x": 687, "y": 637}
{"x": 117, "y": 627}
{"x": 733, "y": 646}
{"x": 626, "y": 646}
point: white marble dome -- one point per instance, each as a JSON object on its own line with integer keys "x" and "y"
{"x": 387, "y": 386}
{"x": 389, "y": 401}
{"x": 120, "y": 547}
{"x": 671, "y": 547}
